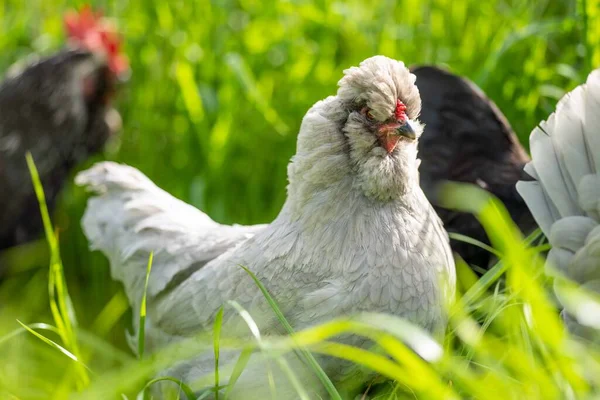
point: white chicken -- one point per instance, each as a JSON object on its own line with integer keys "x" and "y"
{"x": 356, "y": 232}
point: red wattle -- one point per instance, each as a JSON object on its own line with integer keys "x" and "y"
{"x": 389, "y": 142}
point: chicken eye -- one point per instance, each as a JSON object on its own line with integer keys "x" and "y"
{"x": 367, "y": 113}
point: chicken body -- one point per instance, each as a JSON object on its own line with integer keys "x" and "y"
{"x": 55, "y": 109}
{"x": 356, "y": 232}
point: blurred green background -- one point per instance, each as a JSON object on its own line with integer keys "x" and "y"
{"x": 217, "y": 94}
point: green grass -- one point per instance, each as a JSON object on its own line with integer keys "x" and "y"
{"x": 305, "y": 354}
{"x": 211, "y": 113}
{"x": 142, "y": 323}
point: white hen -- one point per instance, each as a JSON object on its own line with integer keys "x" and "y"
{"x": 356, "y": 232}
{"x": 564, "y": 198}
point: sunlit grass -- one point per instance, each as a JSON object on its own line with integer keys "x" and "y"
{"x": 60, "y": 302}
{"x": 141, "y": 339}
{"x": 333, "y": 393}
{"x": 505, "y": 342}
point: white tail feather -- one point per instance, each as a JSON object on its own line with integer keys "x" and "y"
{"x": 546, "y": 160}
{"x": 543, "y": 210}
{"x": 592, "y": 118}
{"x": 564, "y": 198}
{"x": 132, "y": 217}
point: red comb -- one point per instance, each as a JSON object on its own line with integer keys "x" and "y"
{"x": 400, "y": 112}
{"x": 88, "y": 29}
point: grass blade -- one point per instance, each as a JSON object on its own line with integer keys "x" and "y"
{"x": 60, "y": 301}
{"x": 24, "y": 329}
{"x": 383, "y": 365}
{"x": 142, "y": 322}
{"x": 280, "y": 360}
{"x": 239, "y": 367}
{"x": 52, "y": 343}
{"x": 474, "y": 242}
{"x": 216, "y": 341}
{"x": 110, "y": 314}
{"x": 305, "y": 354}
{"x": 189, "y": 393}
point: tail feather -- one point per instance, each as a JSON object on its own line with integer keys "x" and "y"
{"x": 543, "y": 210}
{"x": 592, "y": 118}
{"x": 589, "y": 195}
{"x": 131, "y": 217}
{"x": 547, "y": 162}
{"x": 573, "y": 149}
{"x": 564, "y": 196}
{"x": 565, "y": 151}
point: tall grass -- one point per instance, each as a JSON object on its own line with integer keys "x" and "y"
{"x": 505, "y": 343}
{"x": 210, "y": 113}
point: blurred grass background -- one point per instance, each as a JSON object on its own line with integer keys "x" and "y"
{"x": 218, "y": 92}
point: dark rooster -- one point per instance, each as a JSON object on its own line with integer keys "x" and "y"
{"x": 468, "y": 139}
{"x": 58, "y": 109}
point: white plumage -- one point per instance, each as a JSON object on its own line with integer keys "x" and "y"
{"x": 564, "y": 198}
{"x": 356, "y": 232}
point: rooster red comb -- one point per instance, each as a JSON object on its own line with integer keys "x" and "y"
{"x": 89, "y": 30}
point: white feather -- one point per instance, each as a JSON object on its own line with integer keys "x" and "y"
{"x": 565, "y": 196}
{"x": 571, "y": 232}
{"x": 589, "y": 195}
{"x": 546, "y": 159}
{"x": 133, "y": 217}
{"x": 592, "y": 118}
{"x": 558, "y": 261}
{"x": 568, "y": 137}
{"x": 543, "y": 210}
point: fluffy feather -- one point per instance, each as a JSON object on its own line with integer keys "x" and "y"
{"x": 565, "y": 195}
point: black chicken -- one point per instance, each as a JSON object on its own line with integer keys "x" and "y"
{"x": 59, "y": 110}
{"x": 468, "y": 139}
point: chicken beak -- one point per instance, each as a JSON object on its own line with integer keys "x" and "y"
{"x": 407, "y": 131}
{"x": 390, "y": 134}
